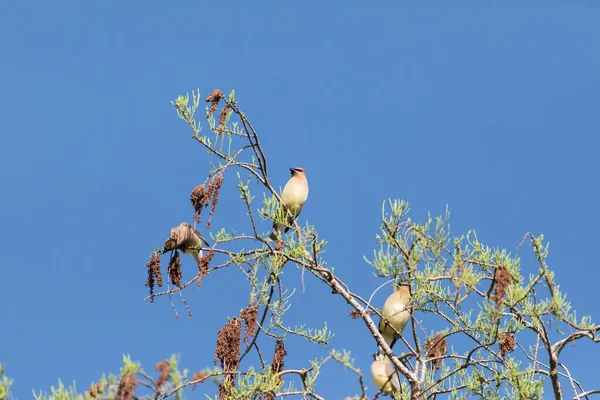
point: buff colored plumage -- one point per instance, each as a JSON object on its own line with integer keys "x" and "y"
{"x": 187, "y": 239}
{"x": 395, "y": 314}
{"x": 383, "y": 375}
{"x": 294, "y": 195}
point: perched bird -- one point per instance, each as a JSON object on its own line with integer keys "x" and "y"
{"x": 383, "y": 374}
{"x": 394, "y": 315}
{"x": 294, "y": 195}
{"x": 186, "y": 238}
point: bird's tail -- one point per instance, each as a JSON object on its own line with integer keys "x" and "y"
{"x": 390, "y": 340}
{"x": 277, "y": 230}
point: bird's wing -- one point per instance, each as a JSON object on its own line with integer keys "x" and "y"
{"x": 201, "y": 237}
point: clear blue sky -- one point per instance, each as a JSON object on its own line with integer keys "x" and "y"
{"x": 489, "y": 107}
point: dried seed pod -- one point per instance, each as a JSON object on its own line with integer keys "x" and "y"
{"x": 164, "y": 367}
{"x": 174, "y": 269}
{"x": 502, "y": 279}
{"x": 214, "y": 97}
{"x": 436, "y": 347}
{"x": 127, "y": 387}
{"x": 249, "y": 315}
{"x": 222, "y": 118}
{"x": 507, "y": 343}
{"x": 228, "y": 353}
{"x": 154, "y": 274}
{"x": 203, "y": 266}
{"x": 214, "y": 188}
{"x": 277, "y": 365}
{"x": 199, "y": 199}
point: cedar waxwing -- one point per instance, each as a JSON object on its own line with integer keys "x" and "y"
{"x": 383, "y": 374}
{"x": 294, "y": 195}
{"x": 187, "y": 239}
{"x": 394, "y": 315}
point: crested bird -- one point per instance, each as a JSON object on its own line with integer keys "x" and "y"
{"x": 394, "y": 315}
{"x": 383, "y": 374}
{"x": 186, "y": 238}
{"x": 294, "y": 196}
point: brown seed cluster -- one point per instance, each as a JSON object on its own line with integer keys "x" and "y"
{"x": 249, "y": 316}
{"x": 214, "y": 97}
{"x": 222, "y": 118}
{"x": 277, "y": 365}
{"x": 228, "y": 353}
{"x": 278, "y": 357}
{"x": 507, "y": 343}
{"x": 502, "y": 279}
{"x": 199, "y": 199}
{"x": 203, "y": 265}
{"x": 228, "y": 345}
{"x": 198, "y": 376}
{"x": 279, "y": 245}
{"x": 165, "y": 368}
{"x": 436, "y": 347}
{"x": 154, "y": 274}
{"x": 126, "y": 387}
{"x": 214, "y": 188}
{"x": 96, "y": 390}
{"x": 174, "y": 269}
{"x": 202, "y": 197}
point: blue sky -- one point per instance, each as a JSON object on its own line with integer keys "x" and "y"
{"x": 489, "y": 108}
